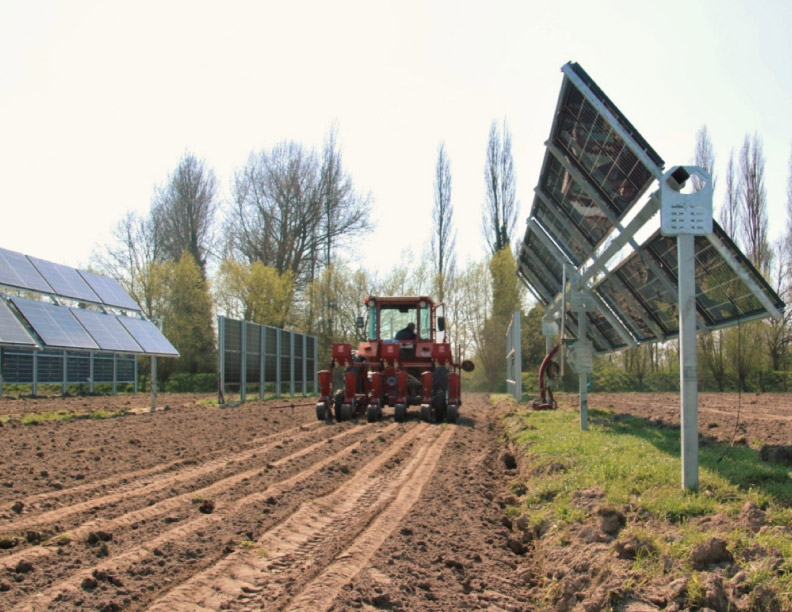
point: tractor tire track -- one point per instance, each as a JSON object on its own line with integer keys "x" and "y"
{"x": 263, "y": 576}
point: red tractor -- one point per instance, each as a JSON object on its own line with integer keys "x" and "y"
{"x": 405, "y": 360}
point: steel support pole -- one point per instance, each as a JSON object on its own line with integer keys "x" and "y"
{"x": 153, "y": 384}
{"x": 688, "y": 371}
{"x": 583, "y": 376}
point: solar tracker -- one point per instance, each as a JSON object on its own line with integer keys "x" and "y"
{"x": 55, "y": 325}
{"x": 65, "y": 281}
{"x": 106, "y": 331}
{"x": 17, "y": 271}
{"x": 12, "y": 333}
{"x": 109, "y": 290}
{"x": 148, "y": 337}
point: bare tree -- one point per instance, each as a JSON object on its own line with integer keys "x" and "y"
{"x": 183, "y": 212}
{"x": 704, "y": 157}
{"x": 500, "y": 211}
{"x": 277, "y": 208}
{"x": 753, "y": 198}
{"x": 129, "y": 258}
{"x": 730, "y": 211}
{"x": 443, "y": 237}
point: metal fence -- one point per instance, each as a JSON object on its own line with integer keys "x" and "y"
{"x": 260, "y": 359}
{"x": 26, "y": 367}
{"x": 514, "y": 358}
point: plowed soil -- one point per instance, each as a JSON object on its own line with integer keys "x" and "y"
{"x": 258, "y": 507}
{"x": 262, "y": 507}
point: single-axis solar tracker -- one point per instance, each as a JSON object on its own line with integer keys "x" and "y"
{"x": 55, "y": 325}
{"x": 588, "y": 209}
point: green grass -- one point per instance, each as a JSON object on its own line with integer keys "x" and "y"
{"x": 62, "y": 415}
{"x": 637, "y": 467}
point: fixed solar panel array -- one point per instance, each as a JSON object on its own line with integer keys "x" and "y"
{"x": 33, "y": 324}
{"x": 596, "y": 168}
{"x": 28, "y": 273}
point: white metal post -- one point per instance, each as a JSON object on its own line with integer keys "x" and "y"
{"x": 153, "y": 383}
{"x": 688, "y": 374}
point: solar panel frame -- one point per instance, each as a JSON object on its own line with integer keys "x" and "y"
{"x": 107, "y": 331}
{"x": 55, "y": 325}
{"x": 17, "y": 271}
{"x": 12, "y": 332}
{"x": 148, "y": 336}
{"x": 65, "y": 281}
{"x": 109, "y": 290}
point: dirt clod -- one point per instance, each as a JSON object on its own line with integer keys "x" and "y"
{"x": 709, "y": 553}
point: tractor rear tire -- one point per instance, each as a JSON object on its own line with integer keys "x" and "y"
{"x": 452, "y": 413}
{"x": 399, "y": 413}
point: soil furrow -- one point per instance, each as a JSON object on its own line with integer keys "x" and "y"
{"x": 316, "y": 529}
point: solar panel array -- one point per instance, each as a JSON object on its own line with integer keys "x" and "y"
{"x": 33, "y": 274}
{"x": 33, "y": 324}
{"x": 596, "y": 169}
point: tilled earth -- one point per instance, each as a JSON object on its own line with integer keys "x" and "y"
{"x": 258, "y": 507}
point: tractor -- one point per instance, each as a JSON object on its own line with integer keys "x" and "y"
{"x": 403, "y": 360}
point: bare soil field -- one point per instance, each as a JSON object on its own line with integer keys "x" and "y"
{"x": 258, "y": 507}
{"x": 262, "y": 507}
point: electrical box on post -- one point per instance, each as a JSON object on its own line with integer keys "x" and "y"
{"x": 685, "y": 213}
{"x": 580, "y": 357}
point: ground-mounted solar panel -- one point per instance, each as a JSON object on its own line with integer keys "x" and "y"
{"x": 55, "y": 325}
{"x": 149, "y": 337}
{"x": 109, "y": 290}
{"x": 17, "y": 271}
{"x": 65, "y": 281}
{"x": 107, "y": 331}
{"x": 12, "y": 333}
{"x": 633, "y": 314}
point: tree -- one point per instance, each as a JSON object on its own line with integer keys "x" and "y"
{"x": 183, "y": 212}
{"x": 187, "y": 317}
{"x": 730, "y": 211}
{"x": 500, "y": 210}
{"x": 505, "y": 301}
{"x": 753, "y": 198}
{"x": 130, "y": 257}
{"x": 443, "y": 237}
{"x": 255, "y": 292}
{"x": 704, "y": 157}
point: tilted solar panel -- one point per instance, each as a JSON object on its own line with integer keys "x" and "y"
{"x": 106, "y": 330}
{"x": 12, "y": 333}
{"x": 148, "y": 337}
{"x": 65, "y": 280}
{"x": 17, "y": 271}
{"x": 109, "y": 290}
{"x": 55, "y": 325}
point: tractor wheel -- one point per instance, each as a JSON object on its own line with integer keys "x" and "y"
{"x": 452, "y": 413}
{"x": 400, "y": 413}
{"x": 426, "y": 413}
{"x": 321, "y": 411}
{"x": 371, "y": 413}
{"x": 346, "y": 412}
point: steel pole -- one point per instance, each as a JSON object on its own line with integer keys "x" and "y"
{"x": 583, "y": 376}
{"x": 688, "y": 375}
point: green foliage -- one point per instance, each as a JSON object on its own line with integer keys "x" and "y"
{"x": 255, "y": 292}
{"x": 187, "y": 382}
{"x": 188, "y": 319}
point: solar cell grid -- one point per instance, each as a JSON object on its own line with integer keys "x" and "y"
{"x": 65, "y": 281}
{"x": 12, "y": 333}
{"x": 148, "y": 337}
{"x": 559, "y": 226}
{"x": 109, "y": 290}
{"x": 544, "y": 265}
{"x": 108, "y": 333}
{"x": 55, "y": 325}
{"x": 615, "y": 294}
{"x": 17, "y": 271}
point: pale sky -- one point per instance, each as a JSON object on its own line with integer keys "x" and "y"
{"x": 100, "y": 99}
